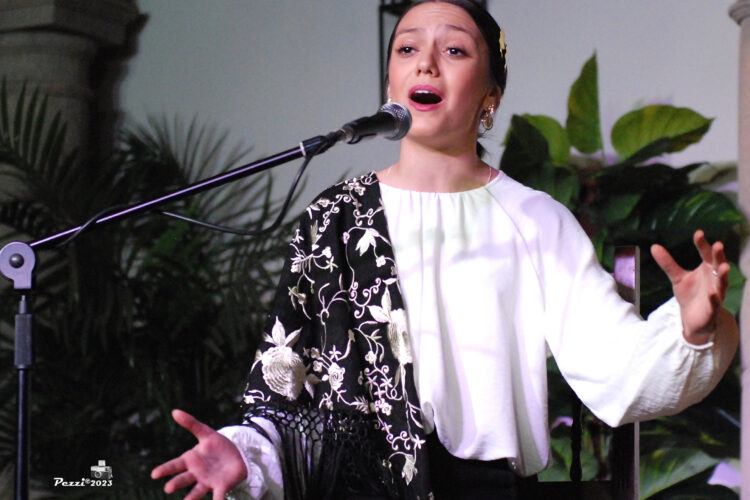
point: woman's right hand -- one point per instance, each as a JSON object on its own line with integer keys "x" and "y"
{"x": 214, "y": 464}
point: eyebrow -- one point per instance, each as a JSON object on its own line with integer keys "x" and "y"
{"x": 451, "y": 26}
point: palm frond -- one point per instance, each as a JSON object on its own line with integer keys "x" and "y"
{"x": 138, "y": 317}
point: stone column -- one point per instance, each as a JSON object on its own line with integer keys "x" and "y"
{"x": 68, "y": 49}
{"x": 740, "y": 12}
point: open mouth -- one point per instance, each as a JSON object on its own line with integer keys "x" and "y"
{"x": 422, "y": 96}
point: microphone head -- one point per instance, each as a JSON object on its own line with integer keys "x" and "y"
{"x": 402, "y": 119}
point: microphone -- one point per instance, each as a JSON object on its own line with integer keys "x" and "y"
{"x": 392, "y": 121}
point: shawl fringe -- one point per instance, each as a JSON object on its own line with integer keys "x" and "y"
{"x": 327, "y": 454}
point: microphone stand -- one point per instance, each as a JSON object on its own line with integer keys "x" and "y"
{"x": 17, "y": 262}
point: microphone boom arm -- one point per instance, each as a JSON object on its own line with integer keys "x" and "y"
{"x": 309, "y": 147}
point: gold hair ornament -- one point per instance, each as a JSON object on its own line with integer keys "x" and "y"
{"x": 503, "y": 49}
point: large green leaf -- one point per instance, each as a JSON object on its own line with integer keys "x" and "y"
{"x": 555, "y": 134}
{"x": 713, "y": 212}
{"x": 526, "y": 159}
{"x": 666, "y": 129}
{"x": 668, "y": 466}
{"x": 734, "y": 292}
{"x": 583, "y": 123}
{"x": 617, "y": 208}
{"x": 560, "y": 183}
{"x": 653, "y": 178}
{"x": 526, "y": 150}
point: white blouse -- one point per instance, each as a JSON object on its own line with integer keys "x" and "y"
{"x": 495, "y": 279}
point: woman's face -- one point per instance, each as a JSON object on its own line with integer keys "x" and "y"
{"x": 439, "y": 69}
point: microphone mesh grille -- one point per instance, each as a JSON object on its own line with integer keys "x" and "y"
{"x": 402, "y": 117}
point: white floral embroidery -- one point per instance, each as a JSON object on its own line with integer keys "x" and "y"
{"x": 297, "y": 236}
{"x": 297, "y": 297}
{"x": 382, "y": 406}
{"x": 283, "y": 369}
{"x": 335, "y": 376}
{"x": 398, "y": 335}
{"x": 315, "y": 235}
{"x": 409, "y": 469}
{"x": 367, "y": 240}
{"x": 254, "y": 396}
{"x": 354, "y": 185}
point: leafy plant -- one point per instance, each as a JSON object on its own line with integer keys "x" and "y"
{"x": 633, "y": 197}
{"x": 135, "y": 318}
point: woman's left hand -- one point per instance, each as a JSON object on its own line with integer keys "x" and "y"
{"x": 699, "y": 292}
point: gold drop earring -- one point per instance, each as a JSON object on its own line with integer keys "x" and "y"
{"x": 487, "y": 118}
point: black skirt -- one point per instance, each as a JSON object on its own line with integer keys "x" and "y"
{"x": 458, "y": 479}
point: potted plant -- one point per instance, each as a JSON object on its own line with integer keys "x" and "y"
{"x": 632, "y": 197}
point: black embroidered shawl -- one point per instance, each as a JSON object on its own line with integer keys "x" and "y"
{"x": 334, "y": 371}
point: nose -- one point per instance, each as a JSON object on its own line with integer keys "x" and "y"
{"x": 427, "y": 63}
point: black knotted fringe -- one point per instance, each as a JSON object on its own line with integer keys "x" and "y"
{"x": 327, "y": 454}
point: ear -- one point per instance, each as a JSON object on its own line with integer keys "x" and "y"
{"x": 493, "y": 97}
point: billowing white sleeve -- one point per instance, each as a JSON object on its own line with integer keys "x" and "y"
{"x": 623, "y": 368}
{"x": 261, "y": 457}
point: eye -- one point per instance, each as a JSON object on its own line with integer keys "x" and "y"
{"x": 405, "y": 49}
{"x": 455, "y": 51}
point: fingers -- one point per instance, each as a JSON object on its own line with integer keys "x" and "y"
{"x": 720, "y": 269}
{"x": 198, "y": 492}
{"x": 662, "y": 257}
{"x": 179, "y": 481}
{"x": 192, "y": 424}
{"x": 219, "y": 494}
{"x": 704, "y": 249}
{"x": 718, "y": 254}
{"x": 714, "y": 256}
{"x": 198, "y": 429}
{"x": 710, "y": 254}
{"x": 720, "y": 260}
{"x": 168, "y": 468}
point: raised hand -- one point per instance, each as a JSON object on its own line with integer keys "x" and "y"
{"x": 214, "y": 464}
{"x": 699, "y": 292}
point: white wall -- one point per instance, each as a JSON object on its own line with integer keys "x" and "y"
{"x": 275, "y": 72}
